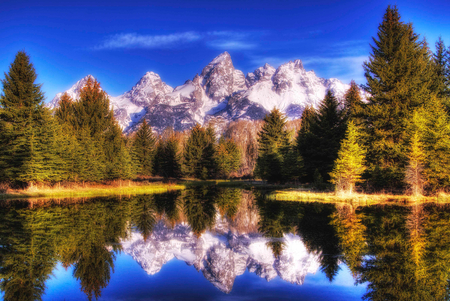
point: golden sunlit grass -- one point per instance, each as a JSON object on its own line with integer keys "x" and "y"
{"x": 356, "y": 199}
{"x": 92, "y": 191}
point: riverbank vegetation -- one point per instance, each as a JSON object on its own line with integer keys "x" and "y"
{"x": 394, "y": 136}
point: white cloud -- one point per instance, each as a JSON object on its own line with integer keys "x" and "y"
{"x": 232, "y": 40}
{"x": 223, "y": 40}
{"x": 231, "y": 45}
{"x": 134, "y": 40}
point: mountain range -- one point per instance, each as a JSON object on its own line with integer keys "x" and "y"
{"x": 222, "y": 253}
{"x": 219, "y": 92}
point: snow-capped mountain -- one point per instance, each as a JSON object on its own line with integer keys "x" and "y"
{"x": 73, "y": 92}
{"x": 220, "y": 91}
{"x": 222, "y": 254}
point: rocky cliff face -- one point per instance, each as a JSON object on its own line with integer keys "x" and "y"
{"x": 220, "y": 91}
{"x": 222, "y": 254}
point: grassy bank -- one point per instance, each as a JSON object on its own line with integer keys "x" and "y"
{"x": 356, "y": 199}
{"x": 131, "y": 188}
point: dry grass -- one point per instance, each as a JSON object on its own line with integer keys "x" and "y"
{"x": 355, "y": 199}
{"x": 93, "y": 190}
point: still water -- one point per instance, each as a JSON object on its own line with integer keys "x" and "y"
{"x": 212, "y": 243}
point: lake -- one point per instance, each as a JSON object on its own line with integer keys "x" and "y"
{"x": 212, "y": 243}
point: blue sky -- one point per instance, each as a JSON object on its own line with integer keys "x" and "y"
{"x": 118, "y": 41}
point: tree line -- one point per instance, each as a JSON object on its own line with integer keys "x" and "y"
{"x": 399, "y": 138}
{"x": 81, "y": 140}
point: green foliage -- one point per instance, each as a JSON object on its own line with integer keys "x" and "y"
{"x": 99, "y": 150}
{"x": 273, "y": 145}
{"x": 144, "y": 149}
{"x": 433, "y": 128}
{"x": 353, "y": 105}
{"x": 400, "y": 78}
{"x": 199, "y": 153}
{"x": 228, "y": 157}
{"x": 168, "y": 158}
{"x": 441, "y": 61}
{"x": 349, "y": 165}
{"x": 28, "y": 152}
{"x": 318, "y": 143}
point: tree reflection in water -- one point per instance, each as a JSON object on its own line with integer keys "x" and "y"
{"x": 401, "y": 252}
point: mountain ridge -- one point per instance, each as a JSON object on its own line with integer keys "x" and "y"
{"x": 220, "y": 91}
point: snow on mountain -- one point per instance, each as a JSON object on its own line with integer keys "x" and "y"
{"x": 222, "y": 255}
{"x": 130, "y": 107}
{"x": 74, "y": 92}
{"x": 220, "y": 91}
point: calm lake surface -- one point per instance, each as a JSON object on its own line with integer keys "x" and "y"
{"x": 211, "y": 243}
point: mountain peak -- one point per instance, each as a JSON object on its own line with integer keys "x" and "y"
{"x": 152, "y": 75}
{"x": 73, "y": 92}
{"x": 218, "y": 77}
{"x": 225, "y": 56}
{"x": 298, "y": 64}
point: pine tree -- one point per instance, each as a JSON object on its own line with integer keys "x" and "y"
{"x": 433, "y": 126}
{"x": 399, "y": 77}
{"x": 319, "y": 145}
{"x": 92, "y": 110}
{"x": 442, "y": 72}
{"x": 442, "y": 64}
{"x": 144, "y": 149}
{"x": 349, "y": 165}
{"x": 64, "y": 112}
{"x": 170, "y": 158}
{"x": 199, "y": 153}
{"x": 273, "y": 145}
{"x": 228, "y": 157}
{"x": 26, "y": 126}
{"x": 353, "y": 105}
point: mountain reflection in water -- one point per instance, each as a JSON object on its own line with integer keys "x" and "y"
{"x": 400, "y": 252}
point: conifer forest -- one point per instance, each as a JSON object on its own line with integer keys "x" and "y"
{"x": 395, "y": 138}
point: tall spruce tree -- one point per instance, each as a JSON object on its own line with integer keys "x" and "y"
{"x": 442, "y": 63}
{"x": 228, "y": 157}
{"x": 168, "y": 158}
{"x": 26, "y": 128}
{"x": 442, "y": 72}
{"x": 199, "y": 153}
{"x": 399, "y": 77}
{"x": 273, "y": 145}
{"x": 319, "y": 143}
{"x": 353, "y": 105}
{"x": 144, "y": 149}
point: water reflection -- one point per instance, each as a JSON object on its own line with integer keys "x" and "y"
{"x": 400, "y": 252}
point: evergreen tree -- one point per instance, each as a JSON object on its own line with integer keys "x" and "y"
{"x": 199, "y": 153}
{"x": 319, "y": 145}
{"x": 442, "y": 63}
{"x": 353, "y": 105}
{"x": 64, "y": 112}
{"x": 26, "y": 126}
{"x": 399, "y": 77}
{"x": 273, "y": 145}
{"x": 228, "y": 157}
{"x": 144, "y": 149}
{"x": 168, "y": 158}
{"x": 349, "y": 165}
{"x": 433, "y": 127}
{"x": 442, "y": 72}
